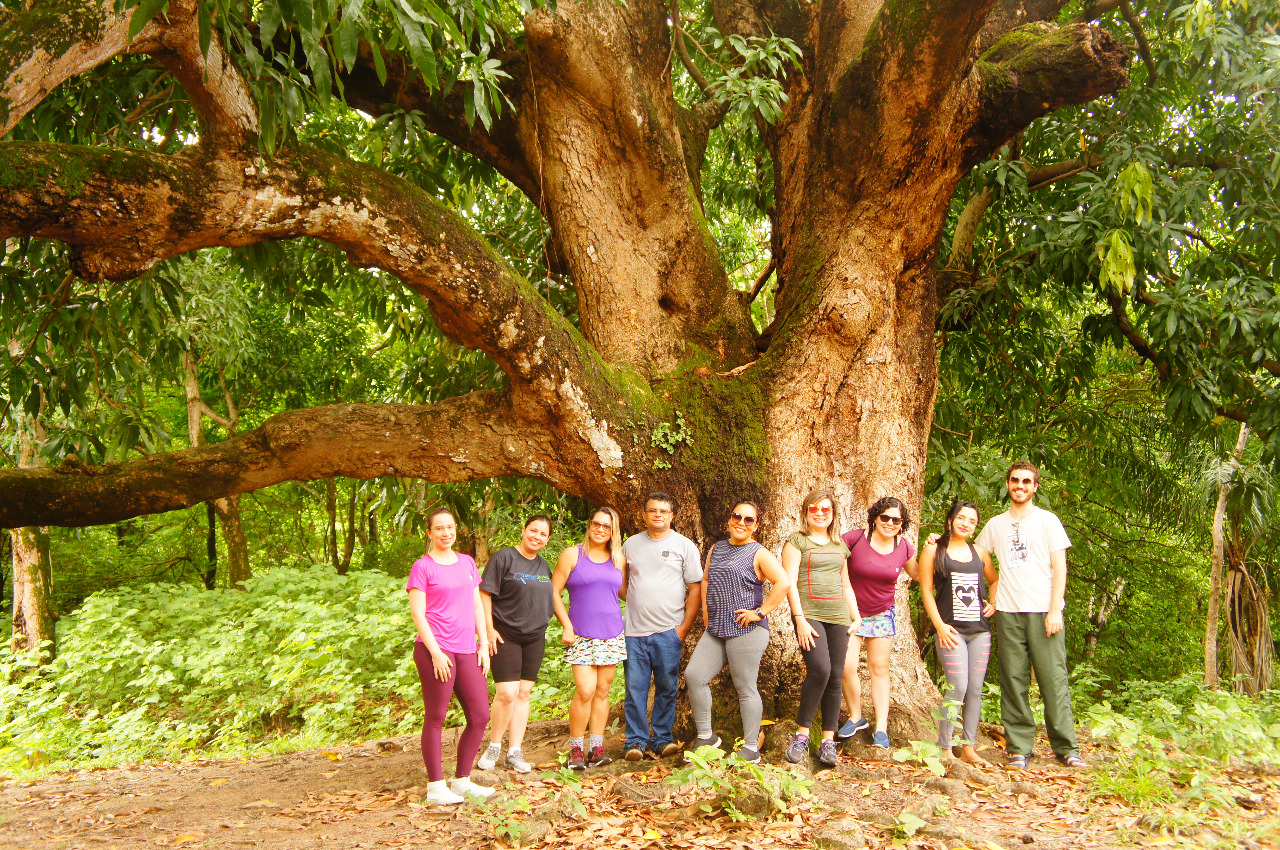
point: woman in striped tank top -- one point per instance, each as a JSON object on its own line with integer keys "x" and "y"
{"x": 736, "y": 612}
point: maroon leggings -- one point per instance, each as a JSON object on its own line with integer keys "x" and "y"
{"x": 467, "y": 680}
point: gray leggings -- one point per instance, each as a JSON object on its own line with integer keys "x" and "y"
{"x": 743, "y": 655}
{"x": 965, "y": 666}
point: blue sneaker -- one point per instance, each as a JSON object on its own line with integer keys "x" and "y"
{"x": 880, "y": 739}
{"x": 852, "y": 727}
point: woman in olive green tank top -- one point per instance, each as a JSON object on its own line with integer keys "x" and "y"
{"x": 825, "y": 612}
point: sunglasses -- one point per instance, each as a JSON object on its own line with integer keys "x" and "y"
{"x": 1021, "y": 480}
{"x": 890, "y": 520}
{"x": 745, "y": 520}
{"x": 819, "y": 509}
{"x": 601, "y": 526}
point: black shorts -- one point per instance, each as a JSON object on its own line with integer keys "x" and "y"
{"x": 516, "y": 661}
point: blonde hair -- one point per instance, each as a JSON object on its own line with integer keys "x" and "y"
{"x": 615, "y": 540}
{"x": 815, "y": 496}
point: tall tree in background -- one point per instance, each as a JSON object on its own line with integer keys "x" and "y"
{"x": 864, "y": 117}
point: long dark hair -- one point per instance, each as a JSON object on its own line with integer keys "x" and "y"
{"x": 939, "y": 562}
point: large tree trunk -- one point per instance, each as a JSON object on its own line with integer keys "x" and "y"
{"x": 662, "y": 383}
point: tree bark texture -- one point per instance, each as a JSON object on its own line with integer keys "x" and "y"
{"x": 662, "y": 383}
{"x": 1216, "y": 558}
{"x": 33, "y": 617}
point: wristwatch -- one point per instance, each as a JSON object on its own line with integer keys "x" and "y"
{"x": 760, "y": 614}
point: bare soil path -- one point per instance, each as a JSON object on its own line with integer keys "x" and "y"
{"x": 367, "y": 796}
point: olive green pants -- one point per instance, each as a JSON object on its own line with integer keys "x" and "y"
{"x": 1024, "y": 646}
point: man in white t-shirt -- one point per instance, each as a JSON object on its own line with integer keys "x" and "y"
{"x": 1031, "y": 547}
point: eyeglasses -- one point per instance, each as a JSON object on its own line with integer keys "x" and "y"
{"x": 819, "y": 509}
{"x": 659, "y": 511}
{"x": 890, "y": 520}
{"x": 601, "y": 526}
{"x": 1028, "y": 480}
{"x": 745, "y": 520}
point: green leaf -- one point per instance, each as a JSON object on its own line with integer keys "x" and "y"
{"x": 142, "y": 15}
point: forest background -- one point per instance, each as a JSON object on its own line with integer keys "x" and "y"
{"x": 276, "y": 619}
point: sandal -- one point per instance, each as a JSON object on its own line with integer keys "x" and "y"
{"x": 1017, "y": 761}
{"x": 1071, "y": 760}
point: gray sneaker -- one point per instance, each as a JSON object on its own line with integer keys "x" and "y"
{"x": 827, "y": 753}
{"x": 515, "y": 761}
{"x": 749, "y": 755}
{"x": 713, "y": 741}
{"x": 797, "y": 749}
{"x": 489, "y": 758}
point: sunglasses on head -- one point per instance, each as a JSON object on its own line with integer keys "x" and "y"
{"x": 745, "y": 520}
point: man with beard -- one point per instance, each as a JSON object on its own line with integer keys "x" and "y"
{"x": 1031, "y": 546}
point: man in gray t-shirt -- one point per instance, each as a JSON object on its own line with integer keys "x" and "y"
{"x": 664, "y": 575}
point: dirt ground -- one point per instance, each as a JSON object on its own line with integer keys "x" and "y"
{"x": 366, "y": 796}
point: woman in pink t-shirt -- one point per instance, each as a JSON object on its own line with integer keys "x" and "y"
{"x": 444, "y": 599}
{"x": 877, "y": 556}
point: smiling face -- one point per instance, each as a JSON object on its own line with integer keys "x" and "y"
{"x": 600, "y": 529}
{"x": 1022, "y": 486}
{"x": 964, "y": 523}
{"x": 819, "y": 516}
{"x": 889, "y": 522}
{"x": 742, "y": 523}
{"x": 535, "y": 536}
{"x": 443, "y": 531}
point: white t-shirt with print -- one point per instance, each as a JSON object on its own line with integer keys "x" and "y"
{"x": 1023, "y": 548}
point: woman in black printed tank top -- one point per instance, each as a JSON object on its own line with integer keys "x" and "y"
{"x": 736, "y": 612}
{"x": 951, "y": 588}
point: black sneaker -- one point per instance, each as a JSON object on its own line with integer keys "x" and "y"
{"x": 713, "y": 741}
{"x": 597, "y": 758}
{"x": 576, "y": 760}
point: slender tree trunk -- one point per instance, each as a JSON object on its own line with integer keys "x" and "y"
{"x": 33, "y": 616}
{"x": 1215, "y": 568}
{"x": 211, "y": 548}
{"x": 331, "y": 524}
{"x": 349, "y": 536}
{"x": 237, "y": 544}
{"x": 227, "y": 509}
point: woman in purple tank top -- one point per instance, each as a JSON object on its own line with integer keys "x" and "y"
{"x": 593, "y": 574}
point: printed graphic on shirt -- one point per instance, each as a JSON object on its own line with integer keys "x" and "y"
{"x": 1018, "y": 552}
{"x": 965, "y": 604}
{"x": 525, "y": 578}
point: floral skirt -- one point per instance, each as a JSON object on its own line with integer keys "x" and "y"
{"x": 881, "y": 625}
{"x": 597, "y": 652}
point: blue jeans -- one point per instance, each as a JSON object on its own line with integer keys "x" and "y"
{"x": 652, "y": 658}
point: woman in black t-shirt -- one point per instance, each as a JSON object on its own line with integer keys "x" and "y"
{"x": 516, "y": 594}
{"x": 951, "y": 587}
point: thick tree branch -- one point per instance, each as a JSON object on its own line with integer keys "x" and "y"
{"x": 121, "y": 212}
{"x": 1139, "y": 343}
{"x": 39, "y": 57}
{"x": 36, "y": 56}
{"x": 351, "y": 441}
{"x": 1036, "y": 69}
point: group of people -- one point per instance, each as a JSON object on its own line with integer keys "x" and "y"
{"x": 840, "y": 588}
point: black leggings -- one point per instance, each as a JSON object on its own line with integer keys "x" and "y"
{"x": 824, "y": 671}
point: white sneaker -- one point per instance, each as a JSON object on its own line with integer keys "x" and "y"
{"x": 465, "y": 786}
{"x": 515, "y": 761}
{"x": 489, "y": 758}
{"x": 438, "y": 794}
